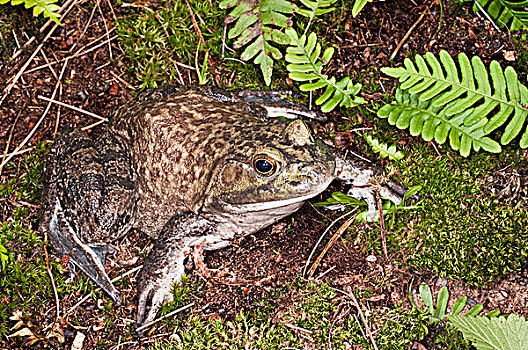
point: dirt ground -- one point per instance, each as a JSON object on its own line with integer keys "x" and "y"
{"x": 94, "y": 77}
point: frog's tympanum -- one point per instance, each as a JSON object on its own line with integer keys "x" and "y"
{"x": 187, "y": 166}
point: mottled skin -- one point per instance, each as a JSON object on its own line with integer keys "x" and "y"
{"x": 180, "y": 164}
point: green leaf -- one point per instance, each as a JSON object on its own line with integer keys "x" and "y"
{"x": 383, "y": 149}
{"x": 500, "y": 333}
{"x": 4, "y": 257}
{"x": 507, "y": 14}
{"x": 48, "y": 8}
{"x": 306, "y": 65}
{"x": 438, "y": 105}
{"x": 259, "y": 25}
{"x": 427, "y": 297}
{"x": 441, "y": 303}
{"x": 459, "y": 305}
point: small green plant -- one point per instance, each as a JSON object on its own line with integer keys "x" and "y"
{"x": 440, "y": 312}
{"x": 383, "y": 149}
{"x": 437, "y": 105}
{"x": 306, "y": 64}
{"x": 47, "y": 8}
{"x": 506, "y": 14}
{"x": 493, "y": 333}
{"x": 259, "y": 24}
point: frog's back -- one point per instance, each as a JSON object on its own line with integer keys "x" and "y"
{"x": 177, "y": 144}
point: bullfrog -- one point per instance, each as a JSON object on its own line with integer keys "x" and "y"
{"x": 187, "y": 166}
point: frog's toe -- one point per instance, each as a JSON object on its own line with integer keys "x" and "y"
{"x": 89, "y": 260}
{"x": 151, "y": 298}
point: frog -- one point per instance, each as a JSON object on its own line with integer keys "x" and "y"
{"x": 188, "y": 166}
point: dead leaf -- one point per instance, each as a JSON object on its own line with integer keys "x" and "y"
{"x": 78, "y": 341}
{"x": 509, "y": 55}
{"x": 24, "y": 332}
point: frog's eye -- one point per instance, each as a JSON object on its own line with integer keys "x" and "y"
{"x": 264, "y": 165}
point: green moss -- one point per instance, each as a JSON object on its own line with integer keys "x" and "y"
{"x": 26, "y": 267}
{"x": 157, "y": 41}
{"x": 459, "y": 230}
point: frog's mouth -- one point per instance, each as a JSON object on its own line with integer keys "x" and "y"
{"x": 265, "y": 206}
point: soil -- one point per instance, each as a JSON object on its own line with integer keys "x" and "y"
{"x": 274, "y": 257}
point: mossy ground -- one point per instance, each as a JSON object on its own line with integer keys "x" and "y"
{"x": 458, "y": 230}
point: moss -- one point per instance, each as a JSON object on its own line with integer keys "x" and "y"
{"x": 459, "y": 230}
{"x": 158, "y": 41}
{"x": 322, "y": 315}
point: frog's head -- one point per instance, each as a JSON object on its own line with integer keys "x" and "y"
{"x": 272, "y": 172}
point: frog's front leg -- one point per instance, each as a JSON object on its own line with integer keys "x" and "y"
{"x": 164, "y": 264}
{"x": 366, "y": 181}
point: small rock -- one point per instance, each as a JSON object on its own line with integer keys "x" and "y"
{"x": 78, "y": 341}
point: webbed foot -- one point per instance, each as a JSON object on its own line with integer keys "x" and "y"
{"x": 89, "y": 260}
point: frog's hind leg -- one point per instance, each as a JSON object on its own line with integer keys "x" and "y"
{"x": 89, "y": 260}
{"x": 88, "y": 202}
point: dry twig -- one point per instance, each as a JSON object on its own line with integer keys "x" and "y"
{"x": 330, "y": 243}
{"x": 73, "y": 107}
{"x": 195, "y": 24}
{"x": 382, "y": 227}
{"x": 321, "y": 238}
{"x": 402, "y": 41}
{"x": 139, "y": 329}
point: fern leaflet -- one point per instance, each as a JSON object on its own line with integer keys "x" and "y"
{"x": 258, "y": 25}
{"x": 510, "y": 14}
{"x": 305, "y": 64}
{"x": 433, "y": 103}
{"x": 358, "y": 6}
{"x": 501, "y": 333}
{"x": 48, "y": 8}
{"x": 316, "y": 8}
{"x": 383, "y": 149}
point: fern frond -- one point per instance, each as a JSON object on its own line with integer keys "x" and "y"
{"x": 383, "y": 149}
{"x": 358, "y": 6}
{"x": 306, "y": 64}
{"x": 433, "y": 92}
{"x": 48, "y": 8}
{"x": 258, "y": 24}
{"x": 316, "y": 8}
{"x": 509, "y": 14}
{"x": 422, "y": 118}
{"x": 501, "y": 333}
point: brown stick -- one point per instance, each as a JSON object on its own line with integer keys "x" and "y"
{"x": 330, "y": 243}
{"x": 195, "y": 24}
{"x": 382, "y": 228}
{"x": 73, "y": 107}
{"x": 402, "y": 41}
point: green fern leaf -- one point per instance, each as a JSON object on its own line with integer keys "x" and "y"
{"x": 500, "y": 333}
{"x": 306, "y": 64}
{"x": 510, "y": 14}
{"x": 423, "y": 118}
{"x": 440, "y": 103}
{"x": 47, "y": 8}
{"x": 316, "y": 8}
{"x": 358, "y": 6}
{"x": 258, "y": 24}
{"x": 383, "y": 149}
